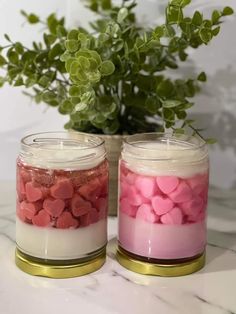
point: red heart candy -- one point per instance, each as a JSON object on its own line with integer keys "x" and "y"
{"x": 28, "y": 209}
{"x": 80, "y": 206}
{"x": 33, "y": 193}
{"x": 91, "y": 190}
{"x": 54, "y": 207}
{"x": 66, "y": 220}
{"x": 42, "y": 219}
{"x": 93, "y": 215}
{"x": 62, "y": 189}
{"x": 19, "y": 212}
{"x": 85, "y": 220}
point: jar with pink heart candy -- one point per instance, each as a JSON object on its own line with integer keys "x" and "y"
{"x": 163, "y": 188}
{"x": 62, "y": 204}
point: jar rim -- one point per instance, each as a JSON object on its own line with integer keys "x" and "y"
{"x": 135, "y": 140}
{"x": 92, "y": 139}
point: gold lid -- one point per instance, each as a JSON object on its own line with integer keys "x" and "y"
{"x": 164, "y": 270}
{"x": 38, "y": 268}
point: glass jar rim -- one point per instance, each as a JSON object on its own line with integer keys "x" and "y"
{"x": 132, "y": 140}
{"x": 46, "y": 140}
{"x": 62, "y": 150}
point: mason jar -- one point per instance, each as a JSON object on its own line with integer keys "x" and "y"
{"x": 62, "y": 204}
{"x": 163, "y": 190}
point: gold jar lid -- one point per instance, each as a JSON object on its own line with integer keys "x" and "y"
{"x": 65, "y": 269}
{"x": 164, "y": 270}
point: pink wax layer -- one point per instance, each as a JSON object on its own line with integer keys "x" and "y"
{"x": 161, "y": 241}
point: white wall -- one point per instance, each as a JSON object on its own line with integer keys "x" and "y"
{"x": 215, "y": 108}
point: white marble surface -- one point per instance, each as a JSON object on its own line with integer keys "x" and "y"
{"x": 115, "y": 290}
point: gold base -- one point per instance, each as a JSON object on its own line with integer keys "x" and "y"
{"x": 55, "y": 269}
{"x": 164, "y": 270}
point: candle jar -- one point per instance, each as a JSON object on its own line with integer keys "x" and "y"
{"x": 62, "y": 203}
{"x": 163, "y": 188}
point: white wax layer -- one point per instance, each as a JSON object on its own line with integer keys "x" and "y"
{"x": 61, "y": 244}
{"x": 161, "y": 241}
{"x": 161, "y": 159}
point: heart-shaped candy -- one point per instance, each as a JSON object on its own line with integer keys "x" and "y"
{"x": 192, "y": 208}
{"x": 42, "y": 219}
{"x": 199, "y": 183}
{"x": 182, "y": 193}
{"x": 167, "y": 184}
{"x": 173, "y": 217}
{"x": 146, "y": 213}
{"x": 28, "y": 209}
{"x": 92, "y": 190}
{"x": 161, "y": 205}
{"x": 62, "y": 189}
{"x": 101, "y": 204}
{"x": 127, "y": 208}
{"x": 79, "y": 206}
{"x": 93, "y": 215}
{"x": 33, "y": 193}
{"x": 133, "y": 197}
{"x": 54, "y": 207}
{"x": 66, "y": 220}
{"x": 146, "y": 186}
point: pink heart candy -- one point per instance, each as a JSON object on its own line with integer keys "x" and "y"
{"x": 79, "y": 206}
{"x": 130, "y": 178}
{"x": 193, "y": 207}
{"x": 167, "y": 184}
{"x": 33, "y": 193}
{"x": 42, "y": 219}
{"x": 127, "y": 208}
{"x": 199, "y": 183}
{"x": 66, "y": 220}
{"x": 162, "y": 205}
{"x": 146, "y": 213}
{"x": 173, "y": 217}
{"x": 62, "y": 189}
{"x": 182, "y": 193}
{"x": 146, "y": 186}
{"x": 54, "y": 207}
{"x": 134, "y": 198}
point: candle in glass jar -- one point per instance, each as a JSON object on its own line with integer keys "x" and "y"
{"x": 62, "y": 198}
{"x": 163, "y": 198}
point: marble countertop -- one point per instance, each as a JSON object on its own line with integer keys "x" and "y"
{"x": 114, "y": 289}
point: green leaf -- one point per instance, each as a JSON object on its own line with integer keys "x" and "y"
{"x": 19, "y": 48}
{"x": 72, "y": 45}
{"x": 49, "y": 39}
{"x": 44, "y": 81}
{"x": 7, "y": 37}
{"x": 159, "y": 32}
{"x": 205, "y": 35}
{"x": 2, "y": 81}
{"x": 215, "y": 16}
{"x": 73, "y": 34}
{"x": 106, "y": 4}
{"x": 165, "y": 89}
{"x": 122, "y": 14}
{"x": 197, "y": 18}
{"x": 66, "y": 107}
{"x": 210, "y": 141}
{"x": 174, "y": 15}
{"x": 202, "y": 77}
{"x": 19, "y": 82}
{"x": 32, "y": 18}
{"x": 55, "y": 51}
{"x": 13, "y": 57}
{"x": 171, "y": 103}
{"x": 169, "y": 114}
{"x": 3, "y": 61}
{"x": 227, "y": 11}
{"x": 107, "y": 68}
{"x": 216, "y": 31}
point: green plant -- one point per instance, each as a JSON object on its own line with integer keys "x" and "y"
{"x": 113, "y": 79}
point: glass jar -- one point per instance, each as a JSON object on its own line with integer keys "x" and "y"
{"x": 163, "y": 190}
{"x": 62, "y": 204}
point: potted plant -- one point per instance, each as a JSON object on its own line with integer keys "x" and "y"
{"x": 112, "y": 80}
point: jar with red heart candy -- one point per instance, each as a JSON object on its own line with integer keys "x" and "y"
{"x": 163, "y": 188}
{"x": 62, "y": 204}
